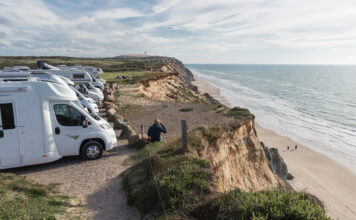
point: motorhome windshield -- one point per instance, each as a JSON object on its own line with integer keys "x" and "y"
{"x": 88, "y": 86}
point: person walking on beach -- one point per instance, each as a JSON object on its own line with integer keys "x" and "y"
{"x": 154, "y": 132}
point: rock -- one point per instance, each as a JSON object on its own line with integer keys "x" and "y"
{"x": 110, "y": 98}
{"x": 120, "y": 123}
{"x": 111, "y": 114}
{"x": 109, "y": 105}
{"x": 290, "y": 176}
{"x": 276, "y": 162}
{"x": 126, "y": 132}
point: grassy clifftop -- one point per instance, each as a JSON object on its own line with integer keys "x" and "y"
{"x": 119, "y": 64}
{"x": 186, "y": 186}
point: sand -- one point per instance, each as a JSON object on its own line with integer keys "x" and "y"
{"x": 313, "y": 172}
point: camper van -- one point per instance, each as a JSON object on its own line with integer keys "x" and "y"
{"x": 93, "y": 71}
{"x": 88, "y": 93}
{"x": 40, "y": 123}
{"x": 88, "y": 103}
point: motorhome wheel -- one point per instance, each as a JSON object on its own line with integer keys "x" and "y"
{"x": 92, "y": 150}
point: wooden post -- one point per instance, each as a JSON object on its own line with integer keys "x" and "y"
{"x": 141, "y": 131}
{"x": 184, "y": 135}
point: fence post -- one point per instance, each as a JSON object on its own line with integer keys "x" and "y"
{"x": 141, "y": 131}
{"x": 184, "y": 135}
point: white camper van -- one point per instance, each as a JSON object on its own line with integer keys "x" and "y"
{"x": 88, "y": 103}
{"x": 91, "y": 94}
{"x": 93, "y": 71}
{"x": 40, "y": 123}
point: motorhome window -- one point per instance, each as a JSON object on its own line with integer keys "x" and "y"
{"x": 77, "y": 117}
{"x": 67, "y": 115}
{"x": 78, "y": 76}
{"x": 62, "y": 114}
{"x": 7, "y": 116}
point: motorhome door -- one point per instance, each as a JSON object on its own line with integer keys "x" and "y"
{"x": 9, "y": 137}
{"x": 68, "y": 129}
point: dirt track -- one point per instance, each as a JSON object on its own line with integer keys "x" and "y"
{"x": 95, "y": 186}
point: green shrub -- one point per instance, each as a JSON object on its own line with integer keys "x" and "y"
{"x": 238, "y": 113}
{"x": 278, "y": 204}
{"x": 186, "y": 186}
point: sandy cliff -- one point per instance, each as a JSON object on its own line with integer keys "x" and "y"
{"x": 169, "y": 87}
{"x": 236, "y": 155}
{"x": 238, "y": 159}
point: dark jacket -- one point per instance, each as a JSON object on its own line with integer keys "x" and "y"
{"x": 155, "y": 132}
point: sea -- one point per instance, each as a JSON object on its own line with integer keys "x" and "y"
{"x": 314, "y": 105}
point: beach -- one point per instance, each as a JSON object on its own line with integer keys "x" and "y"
{"x": 313, "y": 172}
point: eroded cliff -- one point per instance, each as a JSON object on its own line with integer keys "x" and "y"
{"x": 169, "y": 87}
{"x": 237, "y": 158}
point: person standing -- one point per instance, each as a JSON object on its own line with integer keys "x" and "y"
{"x": 154, "y": 132}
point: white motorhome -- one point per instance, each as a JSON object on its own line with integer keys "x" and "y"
{"x": 40, "y": 123}
{"x": 88, "y": 103}
{"x": 91, "y": 94}
{"x": 93, "y": 71}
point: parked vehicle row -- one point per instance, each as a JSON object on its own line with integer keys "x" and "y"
{"x": 48, "y": 113}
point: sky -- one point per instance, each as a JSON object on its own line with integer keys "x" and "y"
{"x": 194, "y": 31}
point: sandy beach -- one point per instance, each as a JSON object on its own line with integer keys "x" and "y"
{"x": 313, "y": 172}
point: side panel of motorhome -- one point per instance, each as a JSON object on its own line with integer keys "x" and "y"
{"x": 9, "y": 136}
{"x": 31, "y": 125}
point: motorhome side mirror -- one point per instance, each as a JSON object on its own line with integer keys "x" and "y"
{"x": 85, "y": 123}
{"x": 1, "y": 134}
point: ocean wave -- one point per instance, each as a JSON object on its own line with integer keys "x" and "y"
{"x": 334, "y": 138}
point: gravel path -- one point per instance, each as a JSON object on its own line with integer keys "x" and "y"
{"x": 95, "y": 186}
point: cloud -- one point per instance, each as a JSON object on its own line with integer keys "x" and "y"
{"x": 199, "y": 31}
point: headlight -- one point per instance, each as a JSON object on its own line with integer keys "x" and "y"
{"x": 105, "y": 126}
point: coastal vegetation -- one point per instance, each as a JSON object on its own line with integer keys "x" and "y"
{"x": 165, "y": 178}
{"x": 115, "y": 64}
{"x": 22, "y": 199}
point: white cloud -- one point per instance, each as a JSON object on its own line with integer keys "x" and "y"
{"x": 195, "y": 30}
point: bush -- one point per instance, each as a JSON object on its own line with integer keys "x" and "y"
{"x": 186, "y": 186}
{"x": 278, "y": 204}
{"x": 238, "y": 113}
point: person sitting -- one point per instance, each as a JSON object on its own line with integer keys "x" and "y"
{"x": 154, "y": 132}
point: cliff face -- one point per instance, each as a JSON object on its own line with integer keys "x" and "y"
{"x": 238, "y": 159}
{"x": 169, "y": 87}
{"x": 184, "y": 74}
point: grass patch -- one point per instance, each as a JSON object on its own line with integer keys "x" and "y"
{"x": 22, "y": 199}
{"x": 278, "y": 204}
{"x": 186, "y": 109}
{"x": 112, "y": 76}
{"x": 187, "y": 187}
{"x": 139, "y": 144}
{"x": 238, "y": 113}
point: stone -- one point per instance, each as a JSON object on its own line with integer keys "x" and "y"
{"x": 276, "y": 162}
{"x": 290, "y": 176}
{"x": 111, "y": 114}
{"x": 126, "y": 132}
{"x": 119, "y": 123}
{"x": 110, "y": 98}
{"x": 109, "y": 105}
